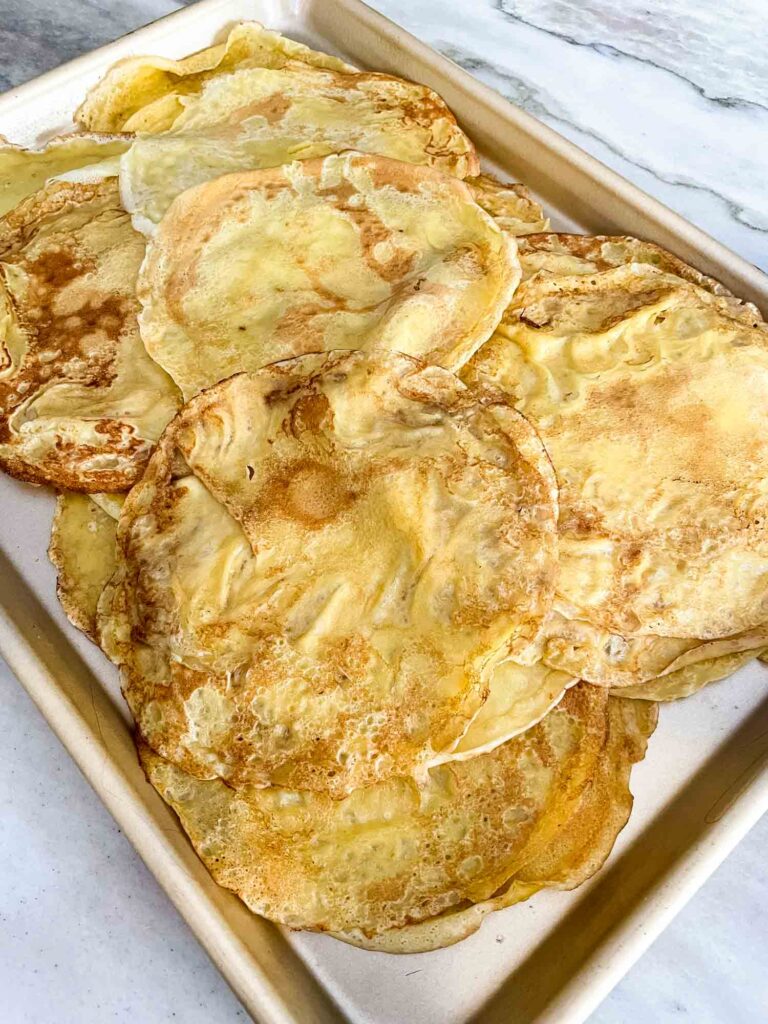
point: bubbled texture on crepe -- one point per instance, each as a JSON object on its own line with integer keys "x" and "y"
{"x": 81, "y": 402}
{"x": 24, "y": 171}
{"x": 564, "y": 254}
{"x": 262, "y": 118}
{"x": 574, "y": 841}
{"x": 395, "y": 852}
{"x": 146, "y": 94}
{"x": 345, "y": 252}
{"x": 649, "y": 392}
{"x": 82, "y": 549}
{"x": 320, "y": 567}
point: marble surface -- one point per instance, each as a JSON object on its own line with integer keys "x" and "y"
{"x": 674, "y": 95}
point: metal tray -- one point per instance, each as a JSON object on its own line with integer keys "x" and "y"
{"x": 702, "y": 786}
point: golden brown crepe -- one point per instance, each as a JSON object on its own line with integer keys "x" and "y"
{"x": 575, "y": 840}
{"x": 81, "y": 402}
{"x": 510, "y": 204}
{"x": 322, "y": 565}
{"x": 552, "y": 254}
{"x": 398, "y": 853}
{"x": 83, "y": 539}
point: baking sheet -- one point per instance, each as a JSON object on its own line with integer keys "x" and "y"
{"x": 702, "y": 786}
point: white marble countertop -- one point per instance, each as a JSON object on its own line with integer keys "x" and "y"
{"x": 674, "y": 95}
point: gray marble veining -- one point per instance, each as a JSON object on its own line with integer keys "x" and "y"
{"x": 713, "y": 47}
{"x": 636, "y": 84}
{"x": 673, "y": 94}
{"x": 37, "y": 35}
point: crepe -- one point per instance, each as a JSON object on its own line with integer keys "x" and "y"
{"x": 261, "y": 117}
{"x": 564, "y": 254}
{"x": 649, "y": 392}
{"x": 634, "y": 663}
{"x": 112, "y": 504}
{"x": 24, "y": 171}
{"x": 348, "y": 251}
{"x": 399, "y": 853}
{"x": 519, "y": 696}
{"x": 573, "y": 845}
{"x": 392, "y": 639}
{"x": 81, "y": 402}
{"x": 82, "y": 549}
{"x": 690, "y": 678}
{"x": 147, "y": 94}
{"x": 320, "y": 568}
{"x": 510, "y": 204}
{"x": 83, "y": 539}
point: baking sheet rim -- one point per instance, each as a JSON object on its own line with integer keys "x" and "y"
{"x": 84, "y": 740}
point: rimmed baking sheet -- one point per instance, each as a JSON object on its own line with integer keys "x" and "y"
{"x": 703, "y": 785}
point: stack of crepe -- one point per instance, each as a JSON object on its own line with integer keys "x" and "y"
{"x": 398, "y": 513}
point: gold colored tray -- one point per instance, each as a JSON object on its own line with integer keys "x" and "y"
{"x": 703, "y": 785}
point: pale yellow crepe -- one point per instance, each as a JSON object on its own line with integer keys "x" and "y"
{"x": 147, "y": 94}
{"x": 82, "y": 549}
{"x": 633, "y": 663}
{"x": 690, "y": 678}
{"x": 519, "y": 696}
{"x": 650, "y": 393}
{"x": 262, "y": 117}
{"x": 349, "y": 251}
{"x": 24, "y": 171}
